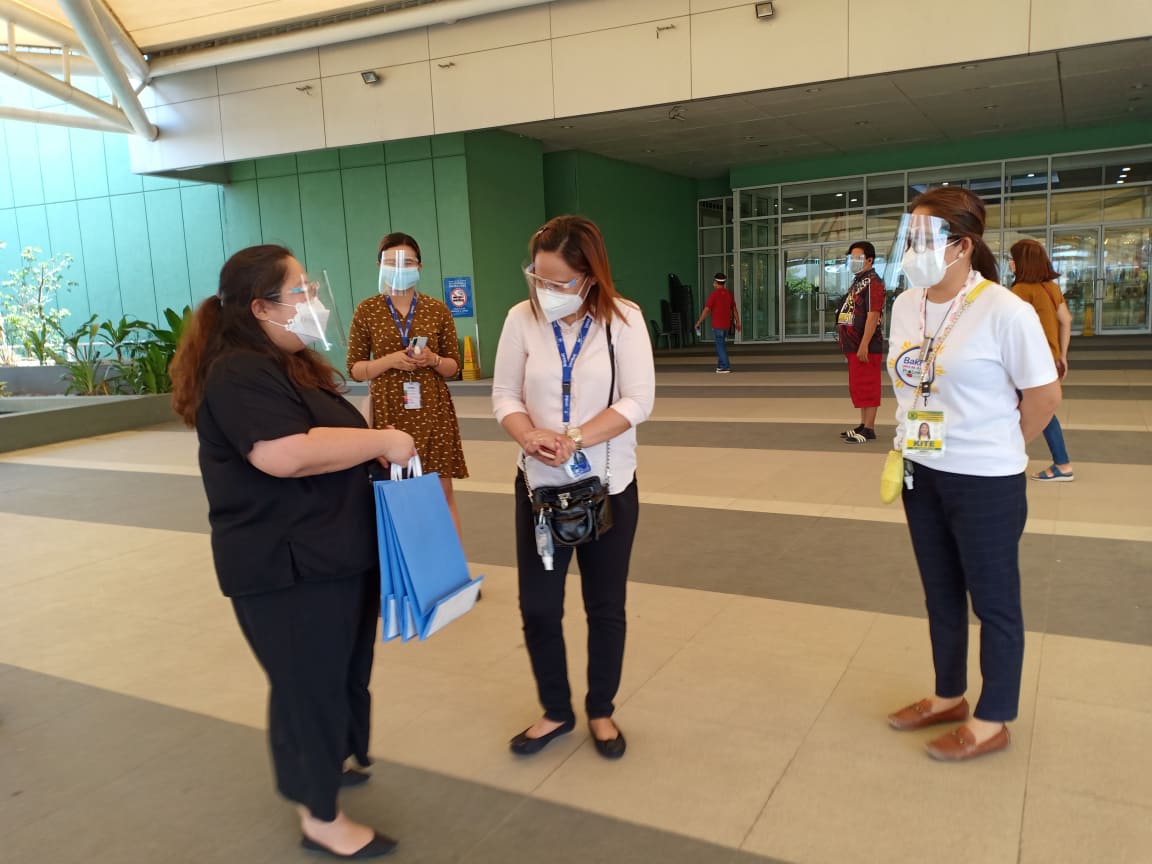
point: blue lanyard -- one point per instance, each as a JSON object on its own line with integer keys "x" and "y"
{"x": 566, "y": 364}
{"x": 406, "y": 328}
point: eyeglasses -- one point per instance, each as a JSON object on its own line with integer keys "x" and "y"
{"x": 572, "y": 286}
{"x": 403, "y": 263}
{"x": 308, "y": 287}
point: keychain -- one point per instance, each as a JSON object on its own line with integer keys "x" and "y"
{"x": 544, "y": 546}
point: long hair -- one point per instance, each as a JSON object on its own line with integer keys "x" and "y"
{"x": 1032, "y": 263}
{"x": 964, "y": 212}
{"x": 224, "y": 323}
{"x": 579, "y": 242}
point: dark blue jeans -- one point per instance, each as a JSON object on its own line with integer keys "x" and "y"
{"x": 1054, "y": 436}
{"x": 966, "y": 535}
{"x": 721, "y": 349}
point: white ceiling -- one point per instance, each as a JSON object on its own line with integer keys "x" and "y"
{"x": 1090, "y": 86}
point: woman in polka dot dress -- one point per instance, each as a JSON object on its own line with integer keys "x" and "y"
{"x": 409, "y": 387}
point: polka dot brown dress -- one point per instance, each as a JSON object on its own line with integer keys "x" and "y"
{"x": 433, "y": 425}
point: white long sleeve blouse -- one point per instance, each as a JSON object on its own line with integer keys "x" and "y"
{"x": 528, "y": 374}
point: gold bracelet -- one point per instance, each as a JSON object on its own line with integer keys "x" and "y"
{"x": 436, "y": 365}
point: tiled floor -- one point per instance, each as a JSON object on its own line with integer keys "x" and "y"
{"x": 775, "y": 618}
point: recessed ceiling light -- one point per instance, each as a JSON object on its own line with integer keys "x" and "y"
{"x": 1121, "y": 180}
{"x": 1031, "y": 175}
{"x": 839, "y": 194}
{"x": 945, "y": 182}
{"x": 1126, "y": 168}
{"x": 567, "y": 126}
{"x": 812, "y": 90}
{"x": 968, "y": 67}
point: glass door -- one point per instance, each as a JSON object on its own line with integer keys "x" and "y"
{"x": 758, "y": 297}
{"x": 1075, "y": 254}
{"x": 1105, "y": 270}
{"x": 1122, "y": 291}
{"x": 815, "y": 280}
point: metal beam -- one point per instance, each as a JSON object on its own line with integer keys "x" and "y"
{"x": 411, "y": 18}
{"x": 74, "y": 121}
{"x": 122, "y": 43}
{"x": 52, "y": 63}
{"x": 64, "y": 92}
{"x": 97, "y": 46}
{"x": 37, "y": 22}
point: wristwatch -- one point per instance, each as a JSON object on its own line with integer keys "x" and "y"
{"x": 576, "y": 436}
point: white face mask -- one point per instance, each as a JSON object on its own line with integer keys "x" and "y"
{"x": 926, "y": 267}
{"x": 309, "y": 322}
{"x": 855, "y": 265}
{"x": 555, "y": 305}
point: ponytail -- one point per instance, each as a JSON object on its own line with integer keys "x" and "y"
{"x": 187, "y": 366}
{"x": 984, "y": 261}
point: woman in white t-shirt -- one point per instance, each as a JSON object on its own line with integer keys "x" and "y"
{"x": 569, "y": 433}
{"x": 970, "y": 360}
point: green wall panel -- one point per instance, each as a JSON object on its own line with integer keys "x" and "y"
{"x": 240, "y": 206}
{"x": 412, "y": 204}
{"x": 276, "y": 166}
{"x": 506, "y": 205}
{"x": 648, "y": 219}
{"x": 361, "y": 155}
{"x": 133, "y": 259}
{"x": 32, "y": 225}
{"x": 56, "y": 164}
{"x": 121, "y": 180}
{"x": 453, "y": 223}
{"x": 238, "y": 171}
{"x": 151, "y": 184}
{"x": 451, "y": 144}
{"x": 318, "y": 160}
{"x": 64, "y": 230}
{"x": 408, "y": 150}
{"x": 203, "y": 238}
{"x": 5, "y": 173}
{"x": 326, "y": 247}
{"x": 24, "y": 164}
{"x": 101, "y": 274}
{"x": 280, "y": 212}
{"x": 958, "y": 152}
{"x": 169, "y": 249}
{"x": 89, "y": 170}
{"x": 366, "y": 220}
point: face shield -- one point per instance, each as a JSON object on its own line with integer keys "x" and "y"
{"x": 315, "y": 304}
{"x": 556, "y": 300}
{"x": 918, "y": 251}
{"x": 398, "y": 272}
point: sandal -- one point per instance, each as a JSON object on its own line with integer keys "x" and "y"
{"x": 1052, "y": 474}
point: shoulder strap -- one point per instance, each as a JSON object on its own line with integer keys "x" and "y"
{"x": 612, "y": 361}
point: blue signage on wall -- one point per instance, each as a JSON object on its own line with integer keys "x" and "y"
{"x": 458, "y": 295}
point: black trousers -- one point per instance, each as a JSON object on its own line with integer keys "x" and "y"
{"x": 603, "y": 580}
{"x": 966, "y": 534}
{"x": 315, "y": 642}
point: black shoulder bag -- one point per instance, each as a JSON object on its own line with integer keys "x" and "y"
{"x": 579, "y": 512}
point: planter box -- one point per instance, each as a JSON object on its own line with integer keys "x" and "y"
{"x": 32, "y": 421}
{"x": 41, "y": 380}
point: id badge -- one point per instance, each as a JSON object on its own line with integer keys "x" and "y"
{"x": 924, "y": 432}
{"x": 844, "y": 318}
{"x": 578, "y": 466}
{"x": 411, "y": 395}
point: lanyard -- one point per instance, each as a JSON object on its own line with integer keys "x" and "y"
{"x": 406, "y": 328}
{"x": 566, "y": 364}
{"x": 930, "y": 347}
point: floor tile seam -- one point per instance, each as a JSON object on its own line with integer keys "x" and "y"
{"x": 875, "y": 617}
{"x": 1125, "y": 709}
{"x": 1031, "y": 749}
{"x": 1092, "y": 796}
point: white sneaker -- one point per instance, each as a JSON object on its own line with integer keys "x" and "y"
{"x": 723, "y": 371}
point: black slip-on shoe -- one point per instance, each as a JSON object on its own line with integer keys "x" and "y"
{"x": 377, "y": 847}
{"x": 522, "y": 745}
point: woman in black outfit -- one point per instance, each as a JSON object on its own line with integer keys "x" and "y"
{"x": 285, "y": 462}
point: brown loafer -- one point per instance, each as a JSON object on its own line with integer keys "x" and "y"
{"x": 959, "y": 744}
{"x": 919, "y": 714}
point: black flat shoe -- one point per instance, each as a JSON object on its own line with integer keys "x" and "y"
{"x": 352, "y": 778}
{"x": 613, "y": 748}
{"x": 522, "y": 745}
{"x": 377, "y": 847}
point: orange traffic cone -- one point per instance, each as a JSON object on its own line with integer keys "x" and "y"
{"x": 471, "y": 371}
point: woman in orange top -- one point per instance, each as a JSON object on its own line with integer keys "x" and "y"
{"x": 1034, "y": 275}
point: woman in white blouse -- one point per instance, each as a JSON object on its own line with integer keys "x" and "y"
{"x": 572, "y": 313}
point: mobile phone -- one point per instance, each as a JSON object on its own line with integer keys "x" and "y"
{"x": 418, "y": 344}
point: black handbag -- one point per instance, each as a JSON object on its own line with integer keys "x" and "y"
{"x": 579, "y": 512}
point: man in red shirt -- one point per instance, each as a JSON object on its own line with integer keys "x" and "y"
{"x": 722, "y": 306}
{"x": 862, "y": 339}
